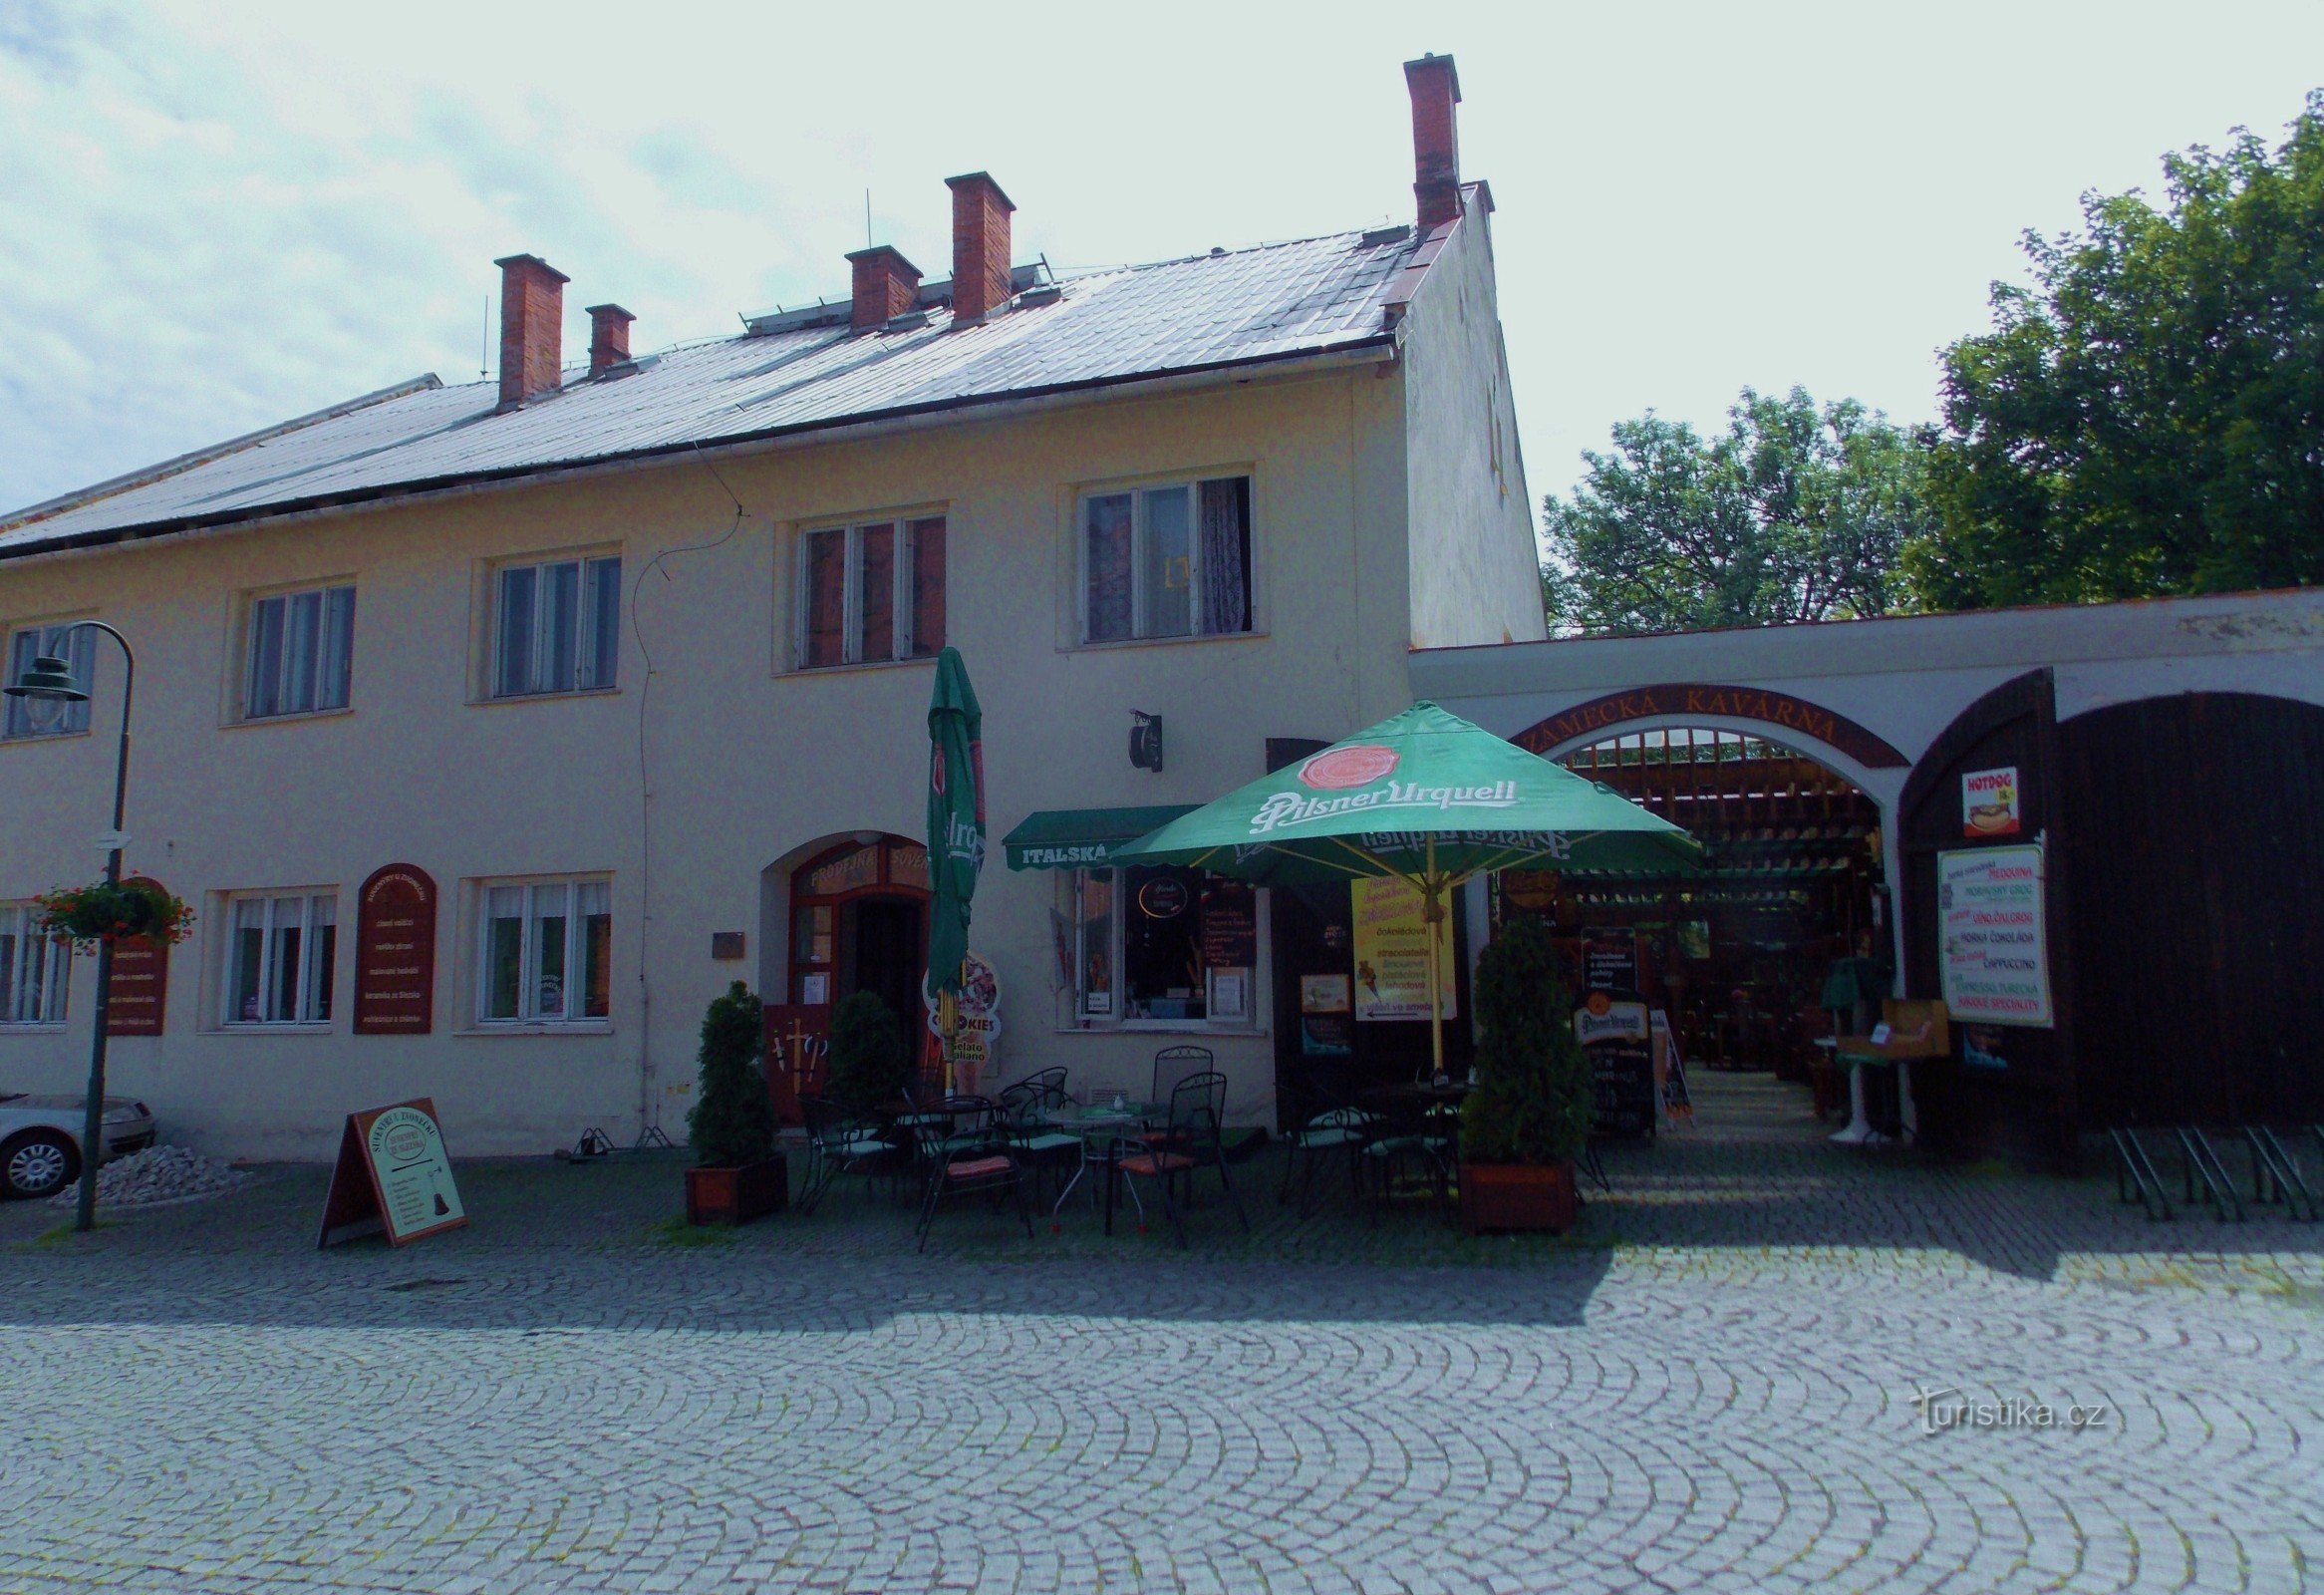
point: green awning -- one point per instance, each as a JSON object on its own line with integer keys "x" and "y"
{"x": 1082, "y": 838}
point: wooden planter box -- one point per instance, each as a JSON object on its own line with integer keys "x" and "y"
{"x": 1518, "y": 1197}
{"x": 737, "y": 1195}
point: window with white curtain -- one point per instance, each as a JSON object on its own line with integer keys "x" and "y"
{"x": 546, "y": 952}
{"x": 1166, "y": 562}
{"x": 33, "y": 969}
{"x": 78, "y": 649}
{"x": 556, "y": 627}
{"x": 301, "y": 653}
{"x": 281, "y": 950}
{"x": 871, "y": 593}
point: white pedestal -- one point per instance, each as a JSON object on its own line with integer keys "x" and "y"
{"x": 1859, "y": 1132}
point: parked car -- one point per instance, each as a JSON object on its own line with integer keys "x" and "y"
{"x": 40, "y": 1138}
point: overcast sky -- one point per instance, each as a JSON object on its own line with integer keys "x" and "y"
{"x": 213, "y": 216}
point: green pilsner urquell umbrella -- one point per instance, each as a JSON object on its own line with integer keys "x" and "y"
{"x": 1429, "y": 799}
{"x": 956, "y": 832}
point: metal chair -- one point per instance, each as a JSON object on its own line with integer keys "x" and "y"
{"x": 976, "y": 1155}
{"x": 1026, "y": 1114}
{"x": 1411, "y": 1129}
{"x": 1174, "y": 1063}
{"x": 1328, "y": 1126}
{"x": 1190, "y": 1141}
{"x": 838, "y": 1143}
{"x": 1051, "y": 1079}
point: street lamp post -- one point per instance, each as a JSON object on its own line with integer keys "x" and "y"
{"x": 50, "y": 683}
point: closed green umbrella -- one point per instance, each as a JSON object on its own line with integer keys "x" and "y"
{"x": 1429, "y": 799}
{"x": 956, "y": 830}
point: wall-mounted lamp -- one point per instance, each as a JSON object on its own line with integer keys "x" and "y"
{"x": 1146, "y": 740}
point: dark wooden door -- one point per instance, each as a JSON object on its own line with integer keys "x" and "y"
{"x": 2197, "y": 852}
{"x": 2019, "y": 1099}
{"x": 891, "y": 952}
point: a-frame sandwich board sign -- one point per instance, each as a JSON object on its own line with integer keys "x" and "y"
{"x": 393, "y": 1175}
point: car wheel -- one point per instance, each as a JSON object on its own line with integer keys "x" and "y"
{"x": 38, "y": 1163}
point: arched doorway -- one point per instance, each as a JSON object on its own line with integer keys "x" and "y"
{"x": 1795, "y": 877}
{"x": 859, "y": 922}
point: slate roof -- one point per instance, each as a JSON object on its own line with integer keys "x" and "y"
{"x": 1224, "y": 309}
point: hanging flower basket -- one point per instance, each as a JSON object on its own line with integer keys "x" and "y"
{"x": 135, "y": 910}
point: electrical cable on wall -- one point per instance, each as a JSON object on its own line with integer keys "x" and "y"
{"x": 650, "y": 1132}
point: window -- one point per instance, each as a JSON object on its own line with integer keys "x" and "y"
{"x": 33, "y": 969}
{"x": 1172, "y": 562}
{"x": 873, "y": 592}
{"x": 556, "y": 627}
{"x": 301, "y": 652}
{"x": 547, "y": 952}
{"x": 280, "y": 953}
{"x": 1164, "y": 945}
{"x": 80, "y": 651}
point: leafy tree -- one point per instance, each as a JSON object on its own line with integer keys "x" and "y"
{"x": 2148, "y": 416}
{"x": 1795, "y": 512}
{"x": 732, "y": 1122}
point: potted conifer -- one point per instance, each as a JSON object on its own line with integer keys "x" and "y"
{"x": 871, "y": 1062}
{"x": 1529, "y": 1119}
{"x": 738, "y": 1174}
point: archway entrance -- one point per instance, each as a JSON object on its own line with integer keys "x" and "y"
{"x": 1737, "y": 957}
{"x": 859, "y": 922}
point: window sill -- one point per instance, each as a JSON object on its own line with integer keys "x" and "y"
{"x": 489, "y": 701}
{"x": 1254, "y": 635}
{"x": 31, "y": 1027}
{"x": 298, "y": 1028}
{"x": 858, "y": 665}
{"x": 1160, "y": 1027}
{"x": 292, "y": 718}
{"x": 35, "y": 738}
{"x": 594, "y": 1027}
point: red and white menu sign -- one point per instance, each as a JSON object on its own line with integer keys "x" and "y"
{"x": 395, "y": 953}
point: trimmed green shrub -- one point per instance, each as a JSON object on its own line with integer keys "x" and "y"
{"x": 1533, "y": 1102}
{"x": 731, "y": 1121}
{"x": 871, "y": 1063}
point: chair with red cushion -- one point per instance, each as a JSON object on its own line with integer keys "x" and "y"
{"x": 1189, "y": 1141}
{"x": 976, "y": 1155}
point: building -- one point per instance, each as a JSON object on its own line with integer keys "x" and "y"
{"x": 493, "y": 728}
{"x": 2157, "y": 768}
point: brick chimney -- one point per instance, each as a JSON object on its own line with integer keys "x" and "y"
{"x": 609, "y": 337}
{"x": 980, "y": 247}
{"x": 532, "y": 326}
{"x": 1436, "y": 157}
{"x": 886, "y": 284}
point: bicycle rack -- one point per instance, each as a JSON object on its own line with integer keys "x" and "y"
{"x": 2276, "y": 1176}
{"x": 2200, "y": 1160}
{"x": 2135, "y": 1176}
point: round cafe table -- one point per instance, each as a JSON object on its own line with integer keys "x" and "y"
{"x": 1101, "y": 1124}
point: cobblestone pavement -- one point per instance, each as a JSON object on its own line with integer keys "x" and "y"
{"x": 1710, "y": 1386}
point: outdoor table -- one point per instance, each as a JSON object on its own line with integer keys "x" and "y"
{"x": 1429, "y": 1094}
{"x": 1094, "y": 1122}
{"x": 1434, "y": 1102}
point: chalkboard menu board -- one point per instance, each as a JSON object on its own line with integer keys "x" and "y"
{"x": 141, "y": 983}
{"x": 1610, "y": 960}
{"x": 395, "y": 953}
{"x": 1230, "y": 925}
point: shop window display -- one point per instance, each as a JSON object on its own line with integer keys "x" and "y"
{"x": 1163, "y": 946}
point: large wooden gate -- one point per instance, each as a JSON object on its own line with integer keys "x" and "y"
{"x": 2198, "y": 912}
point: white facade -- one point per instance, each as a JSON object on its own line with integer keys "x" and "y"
{"x": 687, "y": 789}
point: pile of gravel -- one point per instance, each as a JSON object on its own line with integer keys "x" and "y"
{"x": 155, "y": 1176}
